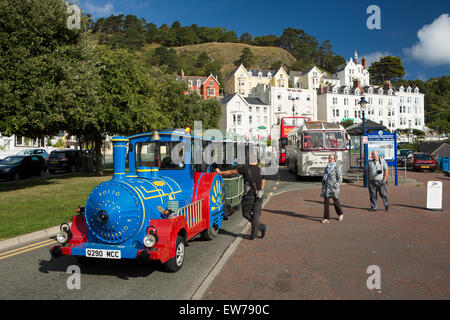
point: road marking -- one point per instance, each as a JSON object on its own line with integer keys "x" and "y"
{"x": 27, "y": 248}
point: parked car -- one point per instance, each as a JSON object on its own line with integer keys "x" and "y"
{"x": 402, "y": 155}
{"x": 417, "y": 161}
{"x": 17, "y": 167}
{"x": 32, "y": 152}
{"x": 67, "y": 160}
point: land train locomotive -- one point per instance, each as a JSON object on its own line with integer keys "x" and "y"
{"x": 152, "y": 210}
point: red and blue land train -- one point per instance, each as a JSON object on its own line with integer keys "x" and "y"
{"x": 152, "y": 210}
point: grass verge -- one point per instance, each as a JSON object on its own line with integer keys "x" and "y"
{"x": 28, "y": 206}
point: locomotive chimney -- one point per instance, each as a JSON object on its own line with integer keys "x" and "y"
{"x": 119, "y": 157}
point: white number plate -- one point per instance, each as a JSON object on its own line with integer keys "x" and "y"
{"x": 100, "y": 253}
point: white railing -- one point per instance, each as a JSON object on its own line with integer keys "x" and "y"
{"x": 192, "y": 212}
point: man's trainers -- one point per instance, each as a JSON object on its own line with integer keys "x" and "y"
{"x": 325, "y": 221}
{"x": 341, "y": 217}
{"x": 387, "y": 208}
{"x": 372, "y": 209}
{"x": 264, "y": 231}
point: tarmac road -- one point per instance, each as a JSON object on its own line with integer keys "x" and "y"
{"x": 30, "y": 272}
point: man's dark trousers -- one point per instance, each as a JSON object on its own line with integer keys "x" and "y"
{"x": 251, "y": 210}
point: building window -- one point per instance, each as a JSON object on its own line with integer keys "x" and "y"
{"x": 239, "y": 119}
{"x": 335, "y": 100}
{"x": 250, "y": 119}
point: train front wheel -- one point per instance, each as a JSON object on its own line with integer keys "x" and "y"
{"x": 175, "y": 264}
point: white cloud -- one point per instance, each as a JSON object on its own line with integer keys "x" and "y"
{"x": 433, "y": 47}
{"x": 375, "y": 56}
{"x": 99, "y": 10}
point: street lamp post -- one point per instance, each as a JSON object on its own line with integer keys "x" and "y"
{"x": 293, "y": 106}
{"x": 362, "y": 105}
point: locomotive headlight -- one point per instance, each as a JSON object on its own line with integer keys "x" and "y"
{"x": 149, "y": 240}
{"x": 62, "y": 237}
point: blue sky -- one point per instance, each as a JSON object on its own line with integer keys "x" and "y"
{"x": 343, "y": 22}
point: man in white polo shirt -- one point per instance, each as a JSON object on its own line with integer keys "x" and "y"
{"x": 377, "y": 173}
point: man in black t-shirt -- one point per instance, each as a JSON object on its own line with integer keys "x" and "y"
{"x": 253, "y": 196}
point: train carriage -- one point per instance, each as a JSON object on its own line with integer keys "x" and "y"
{"x": 164, "y": 200}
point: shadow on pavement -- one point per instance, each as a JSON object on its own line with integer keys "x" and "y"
{"x": 232, "y": 234}
{"x": 408, "y": 206}
{"x": 295, "y": 215}
{"x": 342, "y": 205}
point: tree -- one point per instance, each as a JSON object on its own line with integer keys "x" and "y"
{"x": 347, "y": 123}
{"x": 41, "y": 61}
{"x": 247, "y": 58}
{"x": 246, "y": 38}
{"x": 388, "y": 68}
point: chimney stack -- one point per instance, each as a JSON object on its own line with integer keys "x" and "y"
{"x": 387, "y": 85}
{"x": 182, "y": 74}
{"x": 364, "y": 63}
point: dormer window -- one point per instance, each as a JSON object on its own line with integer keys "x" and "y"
{"x": 390, "y": 92}
{"x": 199, "y": 83}
{"x": 346, "y": 91}
{"x": 401, "y": 89}
{"x": 250, "y": 74}
{"x": 357, "y": 91}
{"x": 370, "y": 91}
{"x": 269, "y": 75}
{"x": 416, "y": 90}
{"x": 260, "y": 75}
{"x": 380, "y": 91}
{"x": 408, "y": 90}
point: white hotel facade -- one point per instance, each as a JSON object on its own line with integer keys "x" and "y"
{"x": 321, "y": 97}
{"x": 395, "y": 108}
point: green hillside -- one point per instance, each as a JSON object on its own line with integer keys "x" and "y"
{"x": 228, "y": 53}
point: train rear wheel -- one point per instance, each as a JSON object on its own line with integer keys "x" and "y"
{"x": 210, "y": 233}
{"x": 175, "y": 264}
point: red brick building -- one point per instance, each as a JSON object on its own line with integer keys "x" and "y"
{"x": 206, "y": 87}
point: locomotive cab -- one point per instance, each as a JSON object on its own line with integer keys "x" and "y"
{"x": 152, "y": 210}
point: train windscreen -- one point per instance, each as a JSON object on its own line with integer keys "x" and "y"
{"x": 162, "y": 155}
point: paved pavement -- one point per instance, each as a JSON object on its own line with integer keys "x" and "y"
{"x": 300, "y": 258}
